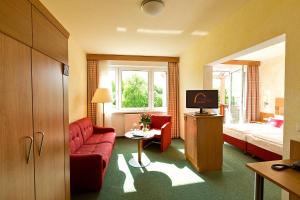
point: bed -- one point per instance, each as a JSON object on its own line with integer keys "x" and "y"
{"x": 262, "y": 139}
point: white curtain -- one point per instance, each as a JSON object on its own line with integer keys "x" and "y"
{"x": 104, "y": 82}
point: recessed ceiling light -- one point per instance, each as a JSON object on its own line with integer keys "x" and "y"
{"x": 199, "y": 33}
{"x": 166, "y": 32}
{"x": 152, "y": 7}
{"x": 121, "y": 29}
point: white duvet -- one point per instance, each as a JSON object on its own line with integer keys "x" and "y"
{"x": 263, "y": 135}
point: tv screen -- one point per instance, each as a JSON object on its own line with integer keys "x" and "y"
{"x": 202, "y": 98}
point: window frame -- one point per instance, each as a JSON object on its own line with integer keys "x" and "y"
{"x": 150, "y": 70}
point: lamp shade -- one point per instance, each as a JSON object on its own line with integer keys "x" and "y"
{"x": 102, "y": 95}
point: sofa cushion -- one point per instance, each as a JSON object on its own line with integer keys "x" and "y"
{"x": 103, "y": 149}
{"x": 157, "y": 121}
{"x": 102, "y": 137}
{"x": 86, "y": 127}
{"x": 75, "y": 139}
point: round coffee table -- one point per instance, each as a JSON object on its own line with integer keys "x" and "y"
{"x": 139, "y": 136}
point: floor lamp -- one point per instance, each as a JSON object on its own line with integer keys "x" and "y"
{"x": 102, "y": 95}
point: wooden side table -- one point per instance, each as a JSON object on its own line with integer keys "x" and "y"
{"x": 141, "y": 162}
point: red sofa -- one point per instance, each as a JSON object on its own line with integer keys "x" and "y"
{"x": 163, "y": 124}
{"x": 90, "y": 151}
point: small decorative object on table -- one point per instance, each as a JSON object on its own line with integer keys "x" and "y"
{"x": 145, "y": 120}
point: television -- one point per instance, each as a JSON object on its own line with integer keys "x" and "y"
{"x": 202, "y": 99}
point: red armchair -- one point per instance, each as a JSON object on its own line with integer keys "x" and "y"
{"x": 163, "y": 124}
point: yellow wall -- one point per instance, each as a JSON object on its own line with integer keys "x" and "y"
{"x": 256, "y": 22}
{"x": 77, "y": 82}
{"x": 271, "y": 76}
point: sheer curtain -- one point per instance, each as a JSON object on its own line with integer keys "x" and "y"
{"x": 104, "y": 82}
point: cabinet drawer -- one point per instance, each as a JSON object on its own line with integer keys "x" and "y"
{"x": 15, "y": 20}
{"x": 48, "y": 39}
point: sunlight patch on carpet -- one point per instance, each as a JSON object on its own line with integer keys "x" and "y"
{"x": 181, "y": 150}
{"x": 128, "y": 185}
{"x": 178, "y": 176}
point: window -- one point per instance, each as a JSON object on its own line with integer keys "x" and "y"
{"x": 112, "y": 78}
{"x": 160, "y": 89}
{"x": 139, "y": 88}
{"x": 134, "y": 90}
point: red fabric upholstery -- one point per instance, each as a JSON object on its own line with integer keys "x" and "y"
{"x": 162, "y": 123}
{"x": 157, "y": 121}
{"x": 90, "y": 152}
{"x": 86, "y": 127}
{"x": 75, "y": 138}
{"x": 103, "y": 137}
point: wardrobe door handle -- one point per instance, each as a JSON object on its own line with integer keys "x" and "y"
{"x": 42, "y": 142}
{"x": 30, "y": 148}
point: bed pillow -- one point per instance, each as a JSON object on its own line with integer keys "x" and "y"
{"x": 278, "y": 123}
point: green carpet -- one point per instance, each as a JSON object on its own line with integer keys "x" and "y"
{"x": 170, "y": 176}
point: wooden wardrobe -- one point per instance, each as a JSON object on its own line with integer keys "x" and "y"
{"x": 34, "y": 155}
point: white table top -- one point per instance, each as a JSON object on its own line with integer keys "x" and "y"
{"x": 139, "y": 134}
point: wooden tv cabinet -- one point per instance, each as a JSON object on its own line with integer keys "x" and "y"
{"x": 204, "y": 141}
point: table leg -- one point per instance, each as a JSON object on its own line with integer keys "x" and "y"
{"x": 140, "y": 161}
{"x": 259, "y": 187}
{"x": 140, "y": 143}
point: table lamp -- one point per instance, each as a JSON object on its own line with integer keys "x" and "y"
{"x": 102, "y": 95}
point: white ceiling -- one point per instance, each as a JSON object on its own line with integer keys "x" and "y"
{"x": 93, "y": 23}
{"x": 267, "y": 53}
{"x": 263, "y": 54}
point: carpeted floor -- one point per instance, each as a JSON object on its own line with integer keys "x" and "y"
{"x": 170, "y": 176}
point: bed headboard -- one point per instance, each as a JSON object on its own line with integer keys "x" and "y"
{"x": 279, "y": 106}
{"x": 264, "y": 116}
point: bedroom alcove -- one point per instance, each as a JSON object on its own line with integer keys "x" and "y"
{"x": 251, "y": 97}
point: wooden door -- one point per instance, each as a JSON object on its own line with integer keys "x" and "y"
{"x": 48, "y": 116}
{"x": 16, "y": 174}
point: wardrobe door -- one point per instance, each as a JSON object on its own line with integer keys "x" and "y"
{"x": 48, "y": 116}
{"x": 16, "y": 162}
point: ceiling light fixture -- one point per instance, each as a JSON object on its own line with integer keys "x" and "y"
{"x": 199, "y": 33}
{"x": 152, "y": 7}
{"x": 121, "y": 29}
{"x": 166, "y": 32}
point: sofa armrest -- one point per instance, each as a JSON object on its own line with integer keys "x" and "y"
{"x": 86, "y": 171}
{"x": 98, "y": 129}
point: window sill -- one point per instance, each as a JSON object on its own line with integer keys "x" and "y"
{"x": 137, "y": 111}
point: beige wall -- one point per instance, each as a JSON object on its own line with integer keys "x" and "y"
{"x": 271, "y": 82}
{"x": 256, "y": 22}
{"x": 77, "y": 82}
